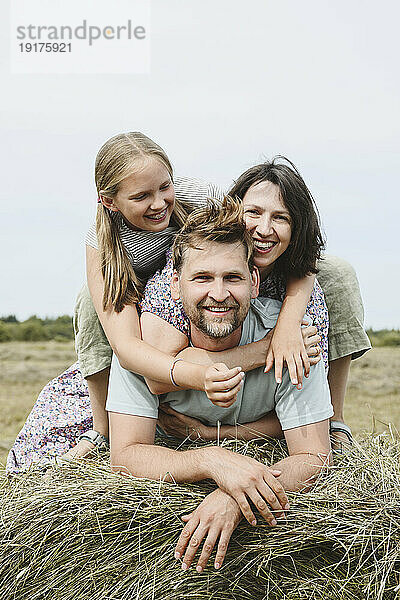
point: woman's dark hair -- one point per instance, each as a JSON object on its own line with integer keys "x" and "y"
{"x": 307, "y": 241}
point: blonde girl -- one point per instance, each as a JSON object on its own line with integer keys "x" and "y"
{"x": 137, "y": 215}
{"x": 139, "y": 209}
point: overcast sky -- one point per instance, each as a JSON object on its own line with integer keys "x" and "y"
{"x": 230, "y": 84}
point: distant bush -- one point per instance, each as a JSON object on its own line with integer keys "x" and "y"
{"x": 35, "y": 329}
{"x": 31, "y": 332}
{"x": 60, "y": 328}
{"x": 5, "y": 335}
{"x": 384, "y": 337}
{"x": 10, "y": 319}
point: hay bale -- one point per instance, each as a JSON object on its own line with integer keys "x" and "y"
{"x": 85, "y": 533}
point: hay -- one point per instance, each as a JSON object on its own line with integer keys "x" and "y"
{"x": 85, "y": 533}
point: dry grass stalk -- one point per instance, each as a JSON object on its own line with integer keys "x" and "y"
{"x": 86, "y": 533}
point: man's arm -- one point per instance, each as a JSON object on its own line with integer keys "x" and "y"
{"x": 217, "y": 516}
{"x": 308, "y": 445}
{"x": 309, "y": 452}
{"x": 242, "y": 477}
{"x": 133, "y": 451}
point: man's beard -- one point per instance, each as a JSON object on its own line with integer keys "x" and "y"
{"x": 213, "y": 326}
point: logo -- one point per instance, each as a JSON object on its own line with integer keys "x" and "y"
{"x": 80, "y": 36}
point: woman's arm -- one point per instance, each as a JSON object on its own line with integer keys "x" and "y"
{"x": 287, "y": 345}
{"x": 184, "y": 427}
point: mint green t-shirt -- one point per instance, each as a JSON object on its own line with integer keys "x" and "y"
{"x": 260, "y": 394}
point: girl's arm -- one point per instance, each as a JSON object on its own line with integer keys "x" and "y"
{"x": 250, "y": 356}
{"x": 287, "y": 345}
{"x": 171, "y": 340}
{"x": 124, "y": 335}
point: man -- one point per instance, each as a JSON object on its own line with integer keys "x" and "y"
{"x": 215, "y": 279}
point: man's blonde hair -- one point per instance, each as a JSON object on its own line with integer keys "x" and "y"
{"x": 223, "y": 223}
{"x": 117, "y": 159}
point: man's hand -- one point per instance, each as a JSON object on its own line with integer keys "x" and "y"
{"x": 214, "y": 519}
{"x": 222, "y": 384}
{"x": 247, "y": 479}
{"x": 181, "y": 426}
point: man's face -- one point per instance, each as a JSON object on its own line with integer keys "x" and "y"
{"x": 215, "y": 287}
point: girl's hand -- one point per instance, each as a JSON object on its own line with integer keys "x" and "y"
{"x": 183, "y": 427}
{"x": 288, "y": 346}
{"x": 222, "y": 384}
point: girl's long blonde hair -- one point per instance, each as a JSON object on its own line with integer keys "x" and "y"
{"x": 116, "y": 160}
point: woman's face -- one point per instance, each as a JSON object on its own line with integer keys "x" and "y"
{"x": 146, "y": 198}
{"x": 269, "y": 223}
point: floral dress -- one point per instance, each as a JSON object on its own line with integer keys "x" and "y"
{"x": 62, "y": 411}
{"x": 60, "y": 414}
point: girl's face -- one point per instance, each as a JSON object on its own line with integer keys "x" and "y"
{"x": 269, "y": 223}
{"x": 146, "y": 198}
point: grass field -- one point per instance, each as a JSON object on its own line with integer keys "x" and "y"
{"x": 373, "y": 396}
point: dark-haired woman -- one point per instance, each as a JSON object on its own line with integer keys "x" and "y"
{"x": 281, "y": 214}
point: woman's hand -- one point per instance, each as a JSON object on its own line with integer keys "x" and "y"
{"x": 214, "y": 519}
{"x": 294, "y": 346}
{"x": 183, "y": 427}
{"x": 222, "y": 384}
{"x": 311, "y": 340}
